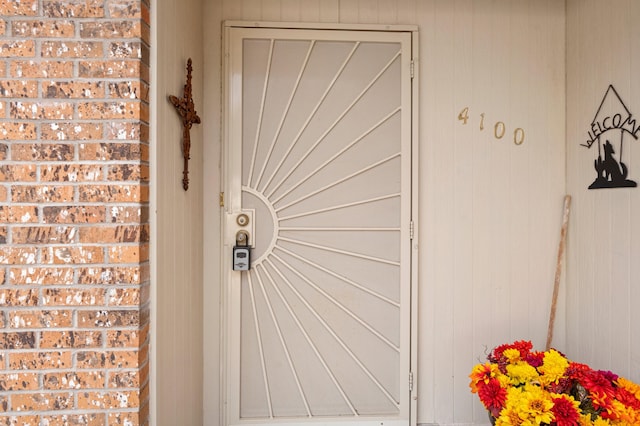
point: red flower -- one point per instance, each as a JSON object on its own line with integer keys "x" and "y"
{"x": 535, "y": 359}
{"x": 562, "y": 386}
{"x": 601, "y": 401}
{"x": 497, "y": 357}
{"x": 627, "y": 398}
{"x": 597, "y": 382}
{"x": 523, "y": 346}
{"x": 577, "y": 371}
{"x": 565, "y": 411}
{"x": 610, "y": 376}
{"x": 492, "y": 396}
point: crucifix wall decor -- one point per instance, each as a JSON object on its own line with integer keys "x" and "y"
{"x": 187, "y": 111}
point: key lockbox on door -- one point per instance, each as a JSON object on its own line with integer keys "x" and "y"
{"x": 242, "y": 252}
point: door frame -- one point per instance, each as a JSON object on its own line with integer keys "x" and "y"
{"x": 226, "y": 106}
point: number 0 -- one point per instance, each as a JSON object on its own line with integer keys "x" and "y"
{"x": 518, "y": 136}
{"x": 498, "y": 133}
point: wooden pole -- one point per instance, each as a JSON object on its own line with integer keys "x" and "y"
{"x": 556, "y": 284}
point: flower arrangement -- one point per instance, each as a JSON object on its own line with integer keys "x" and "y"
{"x": 522, "y": 387}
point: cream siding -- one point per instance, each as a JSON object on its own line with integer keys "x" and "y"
{"x": 177, "y": 216}
{"x": 490, "y": 210}
{"x": 603, "y": 48}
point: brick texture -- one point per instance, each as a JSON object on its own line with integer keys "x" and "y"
{"x": 74, "y": 194}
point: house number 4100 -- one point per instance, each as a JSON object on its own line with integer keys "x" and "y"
{"x": 499, "y": 128}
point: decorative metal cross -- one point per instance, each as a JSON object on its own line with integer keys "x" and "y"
{"x": 186, "y": 108}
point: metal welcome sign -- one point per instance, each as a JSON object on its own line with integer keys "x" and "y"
{"x": 612, "y": 120}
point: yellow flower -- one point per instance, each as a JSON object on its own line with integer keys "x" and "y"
{"x": 528, "y": 405}
{"x": 504, "y": 380}
{"x": 512, "y": 355}
{"x": 585, "y": 420}
{"x": 553, "y": 367}
{"x": 510, "y": 414}
{"x": 522, "y": 372}
{"x": 537, "y": 405}
{"x": 509, "y": 417}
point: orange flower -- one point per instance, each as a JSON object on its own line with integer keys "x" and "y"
{"x": 482, "y": 373}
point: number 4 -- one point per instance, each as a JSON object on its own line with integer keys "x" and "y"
{"x": 464, "y": 115}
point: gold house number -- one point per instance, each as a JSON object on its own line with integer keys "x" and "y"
{"x": 499, "y": 128}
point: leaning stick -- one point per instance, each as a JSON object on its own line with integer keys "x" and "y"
{"x": 556, "y": 284}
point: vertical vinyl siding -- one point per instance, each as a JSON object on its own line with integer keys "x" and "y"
{"x": 462, "y": 163}
{"x": 634, "y": 205}
{"x": 490, "y": 211}
{"x": 603, "y": 274}
{"x": 440, "y": 181}
{"x": 179, "y": 218}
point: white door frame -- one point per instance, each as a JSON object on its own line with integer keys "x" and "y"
{"x": 228, "y": 104}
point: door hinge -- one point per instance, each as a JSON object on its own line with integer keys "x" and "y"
{"x": 221, "y": 199}
{"x": 411, "y": 67}
{"x": 411, "y": 230}
{"x": 410, "y": 381}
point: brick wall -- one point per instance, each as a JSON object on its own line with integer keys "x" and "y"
{"x": 74, "y": 232}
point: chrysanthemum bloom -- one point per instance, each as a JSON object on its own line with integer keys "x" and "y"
{"x": 482, "y": 373}
{"x": 577, "y": 371}
{"x": 566, "y": 410}
{"x": 609, "y": 375}
{"x": 597, "y": 382}
{"x": 521, "y": 345}
{"x": 627, "y": 398}
{"x": 512, "y": 355}
{"x": 532, "y": 404}
{"x": 601, "y": 401}
{"x": 521, "y": 373}
{"x": 563, "y": 385}
{"x": 553, "y": 367}
{"x": 492, "y": 396}
{"x": 585, "y": 420}
{"x": 509, "y": 417}
{"x": 524, "y": 388}
{"x": 538, "y": 407}
{"x": 630, "y": 386}
{"x": 535, "y": 359}
{"x": 618, "y": 411}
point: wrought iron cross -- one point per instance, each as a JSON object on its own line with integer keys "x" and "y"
{"x": 186, "y": 108}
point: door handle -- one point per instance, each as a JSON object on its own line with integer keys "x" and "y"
{"x": 242, "y": 219}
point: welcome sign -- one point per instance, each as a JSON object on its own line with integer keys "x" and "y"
{"x": 612, "y": 121}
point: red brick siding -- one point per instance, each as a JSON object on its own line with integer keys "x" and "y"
{"x": 74, "y": 232}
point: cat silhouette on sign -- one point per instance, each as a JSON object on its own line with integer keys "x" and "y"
{"x": 612, "y": 118}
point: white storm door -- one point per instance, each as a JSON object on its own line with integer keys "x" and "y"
{"x": 318, "y": 156}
